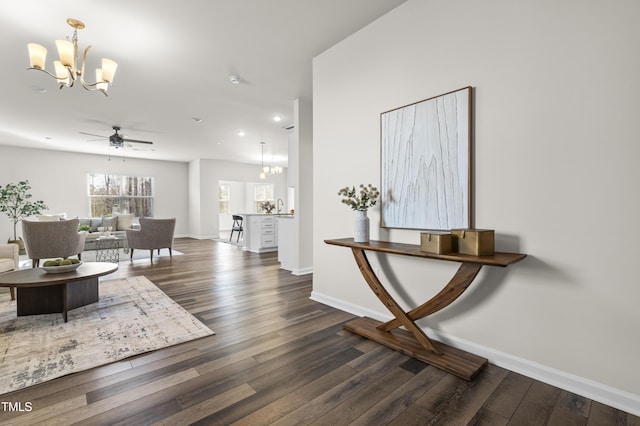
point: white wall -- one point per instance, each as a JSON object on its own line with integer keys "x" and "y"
{"x": 300, "y": 183}
{"x": 556, "y": 87}
{"x": 60, "y": 180}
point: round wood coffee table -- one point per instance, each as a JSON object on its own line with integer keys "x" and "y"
{"x": 39, "y": 292}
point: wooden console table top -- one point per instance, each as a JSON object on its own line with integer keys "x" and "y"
{"x": 411, "y": 340}
{"x": 501, "y": 259}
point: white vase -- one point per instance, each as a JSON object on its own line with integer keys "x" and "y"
{"x": 361, "y": 234}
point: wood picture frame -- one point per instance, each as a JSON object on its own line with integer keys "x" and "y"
{"x": 426, "y": 163}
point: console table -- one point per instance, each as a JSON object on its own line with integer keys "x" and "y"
{"x": 413, "y": 341}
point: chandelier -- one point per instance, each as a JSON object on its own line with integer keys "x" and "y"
{"x": 66, "y": 69}
{"x": 268, "y": 170}
{"x": 272, "y": 170}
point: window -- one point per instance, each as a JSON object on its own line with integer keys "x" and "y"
{"x": 111, "y": 194}
{"x": 223, "y": 198}
{"x": 262, "y": 193}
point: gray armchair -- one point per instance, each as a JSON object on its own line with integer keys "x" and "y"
{"x": 10, "y": 261}
{"x": 153, "y": 234}
{"x": 46, "y": 240}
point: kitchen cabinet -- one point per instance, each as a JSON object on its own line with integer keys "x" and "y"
{"x": 260, "y": 232}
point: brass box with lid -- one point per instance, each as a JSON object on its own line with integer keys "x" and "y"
{"x": 435, "y": 242}
{"x": 477, "y": 242}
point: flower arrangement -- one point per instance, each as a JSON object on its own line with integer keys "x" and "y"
{"x": 362, "y": 200}
{"x": 268, "y": 206}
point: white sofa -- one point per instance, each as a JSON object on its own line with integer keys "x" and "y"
{"x": 9, "y": 261}
{"x": 118, "y": 223}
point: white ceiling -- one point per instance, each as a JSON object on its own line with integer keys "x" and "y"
{"x": 174, "y": 62}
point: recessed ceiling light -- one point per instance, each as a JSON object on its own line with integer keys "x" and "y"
{"x": 277, "y": 118}
{"x": 197, "y": 119}
{"x": 235, "y": 79}
{"x": 241, "y": 133}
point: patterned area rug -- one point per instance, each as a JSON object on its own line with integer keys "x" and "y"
{"x": 132, "y": 316}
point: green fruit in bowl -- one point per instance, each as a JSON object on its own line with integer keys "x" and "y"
{"x": 65, "y": 262}
{"x": 74, "y": 261}
{"x": 51, "y": 263}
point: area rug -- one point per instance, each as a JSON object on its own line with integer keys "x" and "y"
{"x": 132, "y": 316}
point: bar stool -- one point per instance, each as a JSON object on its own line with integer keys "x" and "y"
{"x": 237, "y": 227}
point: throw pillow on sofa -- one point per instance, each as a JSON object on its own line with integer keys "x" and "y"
{"x": 95, "y": 223}
{"x": 51, "y": 217}
{"x": 125, "y": 221}
{"x": 110, "y": 222}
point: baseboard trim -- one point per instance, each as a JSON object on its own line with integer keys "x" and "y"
{"x": 302, "y": 271}
{"x": 587, "y": 388}
{"x": 196, "y": 237}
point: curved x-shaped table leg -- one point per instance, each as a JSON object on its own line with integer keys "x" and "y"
{"x": 456, "y": 286}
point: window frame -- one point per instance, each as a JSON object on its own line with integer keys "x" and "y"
{"x": 125, "y": 200}
{"x": 258, "y": 202}
{"x": 224, "y": 196}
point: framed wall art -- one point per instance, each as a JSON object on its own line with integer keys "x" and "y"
{"x": 426, "y": 164}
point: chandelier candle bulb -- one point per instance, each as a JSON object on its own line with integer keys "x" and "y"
{"x": 62, "y": 74}
{"x": 108, "y": 70}
{"x": 37, "y": 55}
{"x": 99, "y": 77}
{"x": 65, "y": 50}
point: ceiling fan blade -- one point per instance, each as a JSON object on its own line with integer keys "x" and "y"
{"x": 92, "y": 134}
{"x": 97, "y": 140}
{"x": 136, "y": 141}
{"x": 135, "y": 148}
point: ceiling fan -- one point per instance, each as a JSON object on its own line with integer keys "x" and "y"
{"x": 117, "y": 140}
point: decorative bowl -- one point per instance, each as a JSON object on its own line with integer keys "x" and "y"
{"x": 61, "y": 269}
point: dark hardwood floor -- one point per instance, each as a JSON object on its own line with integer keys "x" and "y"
{"x": 279, "y": 358}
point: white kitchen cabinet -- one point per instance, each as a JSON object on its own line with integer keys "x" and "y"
{"x": 260, "y": 232}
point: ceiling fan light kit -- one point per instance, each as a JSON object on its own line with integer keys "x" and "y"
{"x": 117, "y": 140}
{"x": 66, "y": 69}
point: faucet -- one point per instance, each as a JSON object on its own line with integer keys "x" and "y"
{"x": 280, "y": 205}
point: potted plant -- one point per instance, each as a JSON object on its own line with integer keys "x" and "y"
{"x": 360, "y": 201}
{"x": 15, "y": 202}
{"x": 268, "y": 206}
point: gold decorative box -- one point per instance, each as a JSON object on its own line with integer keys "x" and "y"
{"x": 435, "y": 242}
{"x": 477, "y": 242}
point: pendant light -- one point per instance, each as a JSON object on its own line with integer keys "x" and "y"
{"x": 263, "y": 175}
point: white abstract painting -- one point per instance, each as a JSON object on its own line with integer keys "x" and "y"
{"x": 426, "y": 163}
